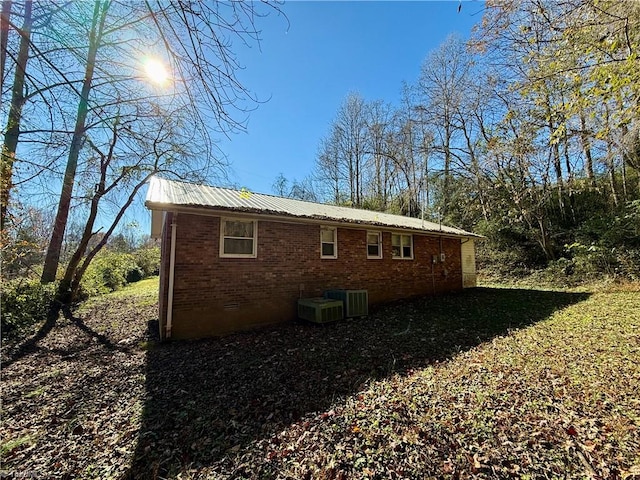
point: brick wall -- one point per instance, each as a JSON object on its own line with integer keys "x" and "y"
{"x": 215, "y": 295}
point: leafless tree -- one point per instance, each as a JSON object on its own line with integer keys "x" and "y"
{"x": 443, "y": 81}
{"x": 107, "y": 128}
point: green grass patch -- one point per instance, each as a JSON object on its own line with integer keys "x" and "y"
{"x": 10, "y": 445}
{"x": 36, "y": 393}
{"x": 146, "y": 287}
{"x": 144, "y": 292}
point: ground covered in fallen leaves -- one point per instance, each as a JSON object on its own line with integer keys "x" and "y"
{"x": 489, "y": 383}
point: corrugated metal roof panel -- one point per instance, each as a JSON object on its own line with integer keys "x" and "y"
{"x": 164, "y": 194}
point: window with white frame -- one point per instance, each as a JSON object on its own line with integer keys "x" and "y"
{"x": 238, "y": 238}
{"x": 401, "y": 245}
{"x": 374, "y": 245}
{"x": 328, "y": 242}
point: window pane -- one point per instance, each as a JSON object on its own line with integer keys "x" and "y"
{"x": 395, "y": 240}
{"x": 238, "y": 246}
{"x": 395, "y": 250}
{"x": 238, "y": 229}
{"x": 406, "y": 240}
{"x": 326, "y": 235}
{"x": 406, "y": 252}
{"x": 373, "y": 250}
{"x": 327, "y": 250}
{"x": 372, "y": 238}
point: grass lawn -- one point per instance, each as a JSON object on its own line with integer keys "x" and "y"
{"x": 489, "y": 383}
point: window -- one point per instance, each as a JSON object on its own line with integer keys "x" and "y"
{"x": 374, "y": 245}
{"x": 328, "y": 242}
{"x": 238, "y": 238}
{"x": 401, "y": 246}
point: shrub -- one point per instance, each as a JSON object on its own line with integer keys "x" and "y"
{"x": 111, "y": 270}
{"x": 24, "y": 303}
{"x": 148, "y": 261}
{"x": 629, "y": 264}
{"x": 135, "y": 275}
{"x": 107, "y": 273}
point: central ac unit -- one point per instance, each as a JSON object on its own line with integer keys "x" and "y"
{"x": 320, "y": 310}
{"x": 356, "y": 302}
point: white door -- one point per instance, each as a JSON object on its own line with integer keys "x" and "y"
{"x": 468, "y": 263}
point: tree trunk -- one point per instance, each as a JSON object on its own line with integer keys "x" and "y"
{"x": 446, "y": 187}
{"x": 4, "y": 34}
{"x": 624, "y": 181}
{"x": 65, "y": 294}
{"x": 611, "y": 168}
{"x": 545, "y": 243}
{"x": 570, "y": 182}
{"x": 475, "y": 168}
{"x": 12, "y": 133}
{"x": 586, "y": 147}
{"x": 555, "y": 153}
{"x": 55, "y": 245}
{"x": 557, "y": 167}
{"x": 625, "y": 131}
{"x": 610, "y": 159}
{"x": 352, "y": 183}
{"x": 358, "y": 175}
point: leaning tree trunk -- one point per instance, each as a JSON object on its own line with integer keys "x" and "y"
{"x": 544, "y": 240}
{"x": 52, "y": 258}
{"x": 65, "y": 295}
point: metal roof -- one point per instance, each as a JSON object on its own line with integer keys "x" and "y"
{"x": 170, "y": 195}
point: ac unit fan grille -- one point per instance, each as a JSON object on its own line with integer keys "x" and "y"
{"x": 356, "y": 302}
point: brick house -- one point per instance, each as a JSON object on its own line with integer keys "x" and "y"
{"x": 233, "y": 260}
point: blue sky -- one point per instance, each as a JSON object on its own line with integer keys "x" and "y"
{"x": 307, "y": 65}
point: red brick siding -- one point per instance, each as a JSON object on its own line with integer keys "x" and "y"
{"x": 216, "y": 295}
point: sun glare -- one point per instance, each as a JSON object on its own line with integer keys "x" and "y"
{"x": 156, "y": 71}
